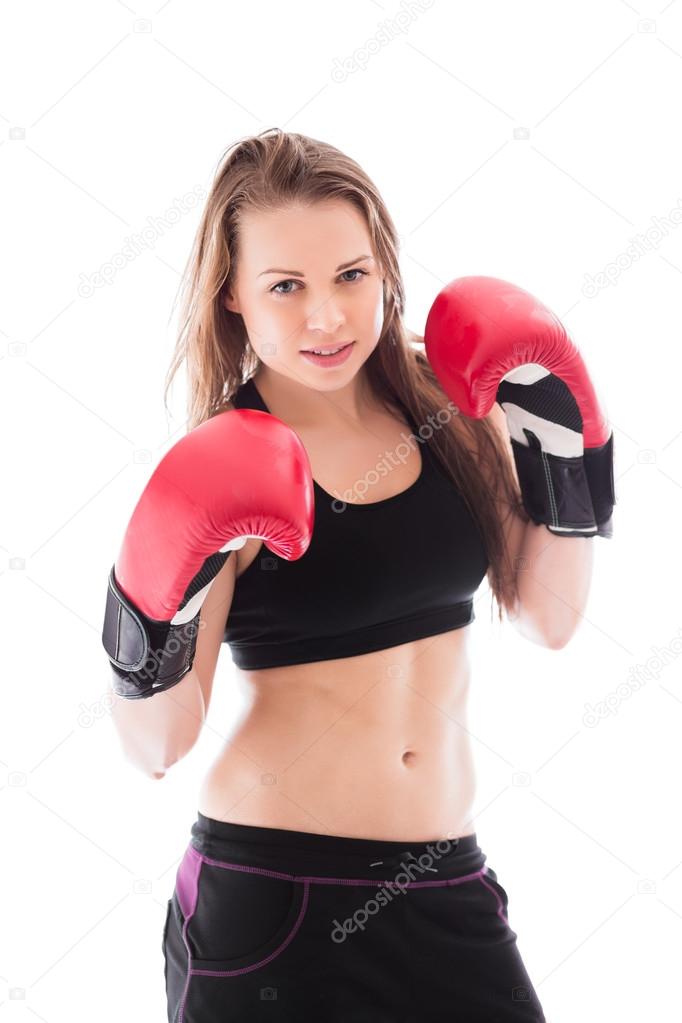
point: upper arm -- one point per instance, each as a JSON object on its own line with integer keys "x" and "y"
{"x": 513, "y": 526}
{"x": 212, "y": 619}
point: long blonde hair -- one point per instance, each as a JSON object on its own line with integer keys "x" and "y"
{"x": 267, "y": 172}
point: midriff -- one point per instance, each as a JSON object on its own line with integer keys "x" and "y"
{"x": 370, "y": 746}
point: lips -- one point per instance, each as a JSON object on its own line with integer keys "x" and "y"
{"x": 329, "y": 360}
{"x": 328, "y": 348}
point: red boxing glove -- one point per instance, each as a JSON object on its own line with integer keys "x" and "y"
{"x": 242, "y": 473}
{"x": 488, "y": 340}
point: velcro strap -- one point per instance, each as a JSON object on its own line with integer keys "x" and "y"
{"x": 599, "y": 472}
{"x": 147, "y": 656}
{"x": 555, "y": 490}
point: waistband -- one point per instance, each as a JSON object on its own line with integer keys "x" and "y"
{"x": 335, "y": 857}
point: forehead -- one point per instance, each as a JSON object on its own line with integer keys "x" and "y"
{"x": 320, "y": 235}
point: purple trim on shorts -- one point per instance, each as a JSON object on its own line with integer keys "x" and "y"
{"x": 187, "y": 889}
{"x": 500, "y": 904}
{"x": 187, "y": 882}
{"x": 267, "y": 959}
{"x": 315, "y": 879}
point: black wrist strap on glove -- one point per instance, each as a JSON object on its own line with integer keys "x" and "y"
{"x": 146, "y": 656}
{"x": 571, "y": 496}
{"x": 599, "y": 472}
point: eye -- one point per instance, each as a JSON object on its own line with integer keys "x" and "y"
{"x": 356, "y": 270}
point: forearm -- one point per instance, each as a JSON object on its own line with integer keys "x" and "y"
{"x": 553, "y": 575}
{"x": 157, "y": 731}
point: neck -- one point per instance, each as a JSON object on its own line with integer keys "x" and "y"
{"x": 297, "y": 404}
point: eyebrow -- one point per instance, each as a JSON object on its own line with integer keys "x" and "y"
{"x": 299, "y": 273}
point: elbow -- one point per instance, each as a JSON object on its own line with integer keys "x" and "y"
{"x": 558, "y": 637}
{"x": 138, "y": 760}
{"x": 172, "y": 761}
{"x": 557, "y": 641}
{"x": 152, "y": 771}
{"x": 158, "y": 768}
{"x": 140, "y": 757}
{"x": 551, "y": 635}
{"x": 184, "y": 745}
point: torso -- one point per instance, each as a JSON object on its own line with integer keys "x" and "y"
{"x": 370, "y": 746}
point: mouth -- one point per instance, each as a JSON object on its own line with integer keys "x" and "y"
{"x": 327, "y": 349}
{"x": 329, "y": 356}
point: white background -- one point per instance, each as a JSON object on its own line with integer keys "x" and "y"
{"x": 531, "y": 141}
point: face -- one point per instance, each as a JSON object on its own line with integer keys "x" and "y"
{"x": 307, "y": 278}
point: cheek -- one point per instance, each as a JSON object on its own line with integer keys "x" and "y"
{"x": 375, "y": 310}
{"x": 273, "y": 327}
{"x": 266, "y": 318}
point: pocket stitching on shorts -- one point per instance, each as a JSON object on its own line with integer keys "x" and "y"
{"x": 489, "y": 878}
{"x": 276, "y": 944}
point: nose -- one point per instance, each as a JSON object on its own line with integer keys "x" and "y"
{"x": 325, "y": 316}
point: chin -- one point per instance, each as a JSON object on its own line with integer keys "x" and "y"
{"x": 328, "y": 380}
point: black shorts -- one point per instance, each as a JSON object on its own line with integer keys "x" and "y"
{"x": 267, "y": 924}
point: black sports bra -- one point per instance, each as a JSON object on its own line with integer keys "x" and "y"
{"x": 374, "y": 576}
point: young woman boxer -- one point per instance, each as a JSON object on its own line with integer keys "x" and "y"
{"x": 338, "y": 500}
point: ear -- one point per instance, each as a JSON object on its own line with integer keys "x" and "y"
{"x": 230, "y": 303}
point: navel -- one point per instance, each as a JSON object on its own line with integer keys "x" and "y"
{"x": 408, "y": 757}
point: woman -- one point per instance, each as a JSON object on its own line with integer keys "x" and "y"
{"x": 333, "y": 869}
